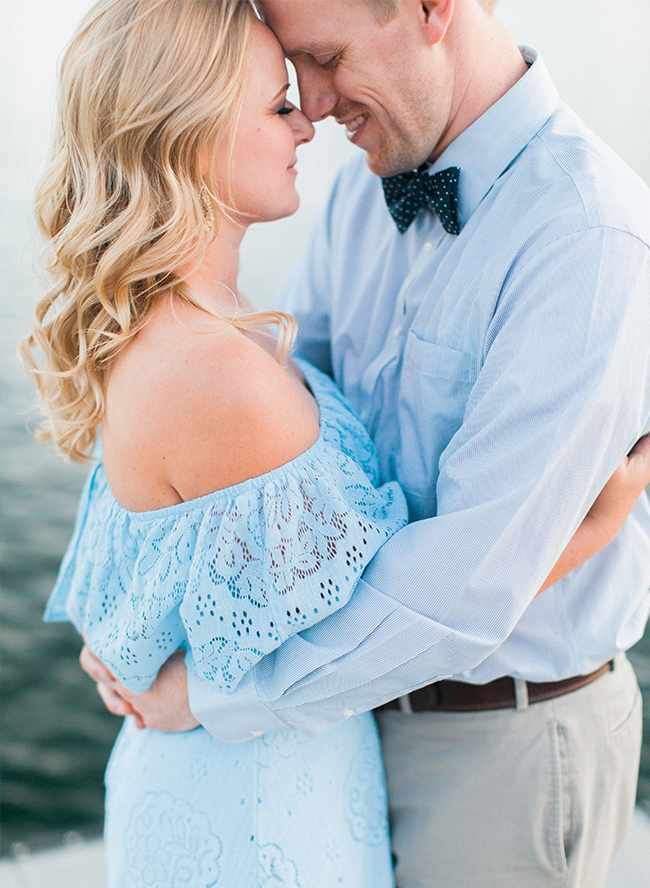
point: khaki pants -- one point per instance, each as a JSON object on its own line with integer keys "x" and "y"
{"x": 531, "y": 798}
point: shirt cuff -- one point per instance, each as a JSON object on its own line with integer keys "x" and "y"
{"x": 231, "y": 718}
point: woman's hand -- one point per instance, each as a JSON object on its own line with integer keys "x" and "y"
{"x": 163, "y": 707}
{"x": 608, "y": 513}
{"x": 623, "y": 489}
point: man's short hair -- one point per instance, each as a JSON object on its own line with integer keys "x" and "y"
{"x": 386, "y": 10}
{"x": 383, "y": 10}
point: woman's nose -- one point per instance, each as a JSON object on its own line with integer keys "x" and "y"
{"x": 303, "y": 130}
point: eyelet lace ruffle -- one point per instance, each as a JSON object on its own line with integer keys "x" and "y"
{"x": 233, "y": 574}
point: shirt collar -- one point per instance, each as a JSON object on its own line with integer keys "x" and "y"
{"x": 486, "y": 148}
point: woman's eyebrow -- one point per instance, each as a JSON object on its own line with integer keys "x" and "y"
{"x": 280, "y": 91}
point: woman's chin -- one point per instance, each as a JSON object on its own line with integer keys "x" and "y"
{"x": 282, "y": 212}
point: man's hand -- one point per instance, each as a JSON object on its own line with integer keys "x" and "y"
{"x": 164, "y": 707}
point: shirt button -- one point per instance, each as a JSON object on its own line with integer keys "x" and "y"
{"x": 427, "y": 247}
{"x": 348, "y": 713}
{"x": 363, "y": 416}
{"x": 396, "y": 332}
{"x": 257, "y": 733}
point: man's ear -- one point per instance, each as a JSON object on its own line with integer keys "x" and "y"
{"x": 436, "y": 17}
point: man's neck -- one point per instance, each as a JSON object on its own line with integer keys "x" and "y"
{"x": 486, "y": 63}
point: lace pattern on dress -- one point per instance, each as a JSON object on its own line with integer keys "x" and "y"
{"x": 233, "y": 574}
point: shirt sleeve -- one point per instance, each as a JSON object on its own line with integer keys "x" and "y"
{"x": 562, "y": 395}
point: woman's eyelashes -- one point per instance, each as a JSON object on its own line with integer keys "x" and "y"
{"x": 287, "y": 108}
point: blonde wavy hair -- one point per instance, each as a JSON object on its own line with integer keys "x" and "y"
{"x": 147, "y": 87}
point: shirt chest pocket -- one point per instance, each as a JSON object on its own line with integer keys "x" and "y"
{"x": 435, "y": 385}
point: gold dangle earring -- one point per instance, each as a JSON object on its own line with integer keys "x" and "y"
{"x": 208, "y": 212}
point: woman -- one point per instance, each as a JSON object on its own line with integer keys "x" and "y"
{"x": 230, "y": 495}
{"x": 236, "y": 498}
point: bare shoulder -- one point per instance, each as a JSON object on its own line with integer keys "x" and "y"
{"x": 192, "y": 412}
{"x": 240, "y": 413}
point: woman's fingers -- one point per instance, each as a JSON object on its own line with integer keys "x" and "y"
{"x": 642, "y": 447}
{"x": 639, "y": 461}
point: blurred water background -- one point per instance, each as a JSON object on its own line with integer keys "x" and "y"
{"x": 56, "y": 735}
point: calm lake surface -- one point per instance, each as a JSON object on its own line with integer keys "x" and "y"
{"x": 55, "y": 733}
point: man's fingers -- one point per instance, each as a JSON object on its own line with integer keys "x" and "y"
{"x": 118, "y": 705}
{"x": 94, "y": 666}
{"x": 164, "y": 707}
{"x": 113, "y": 702}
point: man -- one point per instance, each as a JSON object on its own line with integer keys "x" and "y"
{"x": 495, "y": 343}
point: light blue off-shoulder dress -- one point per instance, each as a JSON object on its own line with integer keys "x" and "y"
{"x": 228, "y": 577}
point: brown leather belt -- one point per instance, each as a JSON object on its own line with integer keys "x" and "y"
{"x": 458, "y": 696}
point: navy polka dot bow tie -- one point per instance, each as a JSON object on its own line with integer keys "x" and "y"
{"x": 408, "y": 192}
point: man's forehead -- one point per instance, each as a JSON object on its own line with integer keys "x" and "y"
{"x": 303, "y": 26}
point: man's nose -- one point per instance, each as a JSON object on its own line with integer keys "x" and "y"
{"x": 318, "y": 97}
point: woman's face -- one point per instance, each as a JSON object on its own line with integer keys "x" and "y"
{"x": 268, "y": 132}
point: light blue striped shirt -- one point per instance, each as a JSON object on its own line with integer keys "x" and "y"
{"x": 503, "y": 374}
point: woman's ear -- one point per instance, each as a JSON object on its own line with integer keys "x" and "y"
{"x": 436, "y": 16}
